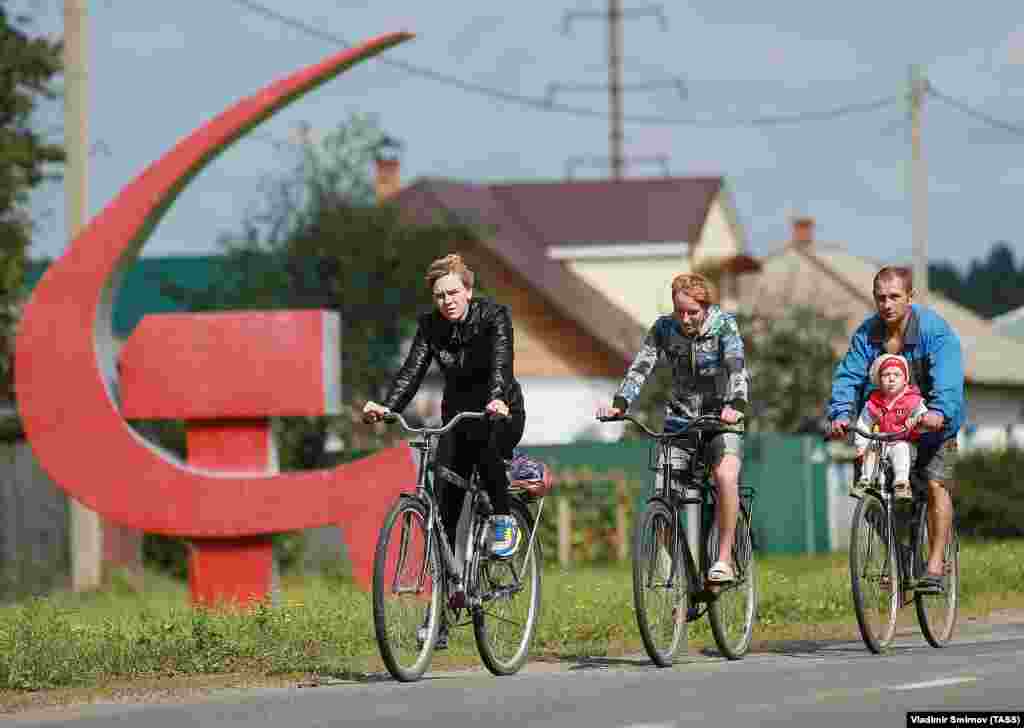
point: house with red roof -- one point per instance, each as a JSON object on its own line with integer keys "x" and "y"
{"x": 586, "y": 267}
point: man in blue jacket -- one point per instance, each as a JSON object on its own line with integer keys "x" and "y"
{"x": 932, "y": 349}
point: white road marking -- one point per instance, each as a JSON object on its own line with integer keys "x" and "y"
{"x": 934, "y": 683}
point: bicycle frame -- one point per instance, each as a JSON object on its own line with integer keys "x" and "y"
{"x": 880, "y": 486}
{"x": 459, "y": 571}
{"x": 697, "y": 478}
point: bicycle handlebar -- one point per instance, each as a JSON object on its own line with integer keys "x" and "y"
{"x": 396, "y": 417}
{"x": 703, "y": 422}
{"x": 881, "y": 436}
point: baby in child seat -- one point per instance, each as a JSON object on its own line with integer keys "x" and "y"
{"x": 895, "y": 406}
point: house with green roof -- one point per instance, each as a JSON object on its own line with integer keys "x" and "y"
{"x": 145, "y": 290}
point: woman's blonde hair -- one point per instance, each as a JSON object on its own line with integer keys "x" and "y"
{"x": 451, "y": 263}
{"x": 696, "y": 286}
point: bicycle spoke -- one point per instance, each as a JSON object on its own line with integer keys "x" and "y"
{"x": 406, "y": 610}
{"x": 873, "y": 574}
{"x": 660, "y": 586}
{"x": 505, "y": 623}
{"x": 937, "y": 613}
{"x": 734, "y": 606}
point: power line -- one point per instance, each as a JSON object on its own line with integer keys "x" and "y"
{"x": 544, "y": 104}
{"x": 975, "y": 113}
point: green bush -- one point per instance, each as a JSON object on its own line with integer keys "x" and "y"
{"x": 989, "y": 498}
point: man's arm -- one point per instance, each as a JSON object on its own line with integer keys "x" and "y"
{"x": 643, "y": 364}
{"x": 850, "y": 375}
{"x": 947, "y": 370}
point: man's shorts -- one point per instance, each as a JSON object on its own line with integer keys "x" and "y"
{"x": 722, "y": 444}
{"x": 936, "y": 459}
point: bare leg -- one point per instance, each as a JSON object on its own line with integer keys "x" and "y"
{"x": 727, "y": 478}
{"x": 940, "y": 523}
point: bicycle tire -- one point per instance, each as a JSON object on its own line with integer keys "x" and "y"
{"x": 661, "y": 609}
{"x": 505, "y": 624}
{"x": 874, "y": 583}
{"x": 937, "y": 613}
{"x": 733, "y": 609}
{"x": 397, "y": 617}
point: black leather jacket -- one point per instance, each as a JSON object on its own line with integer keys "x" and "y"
{"x": 474, "y": 355}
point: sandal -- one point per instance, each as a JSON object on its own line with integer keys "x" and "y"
{"x": 721, "y": 573}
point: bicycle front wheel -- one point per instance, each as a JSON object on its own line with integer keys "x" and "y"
{"x": 406, "y": 591}
{"x": 937, "y": 613}
{"x": 732, "y": 610}
{"x": 661, "y": 583}
{"x": 873, "y": 574}
{"x": 505, "y": 621}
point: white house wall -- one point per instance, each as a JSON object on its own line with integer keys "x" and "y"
{"x": 560, "y": 410}
{"x": 639, "y": 286}
{"x": 993, "y": 415}
{"x": 718, "y": 236}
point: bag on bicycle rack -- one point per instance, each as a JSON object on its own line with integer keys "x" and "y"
{"x": 529, "y": 475}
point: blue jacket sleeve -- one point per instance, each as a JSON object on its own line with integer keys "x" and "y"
{"x": 849, "y": 377}
{"x": 947, "y": 369}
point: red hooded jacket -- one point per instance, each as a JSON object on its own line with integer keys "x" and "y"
{"x": 892, "y": 416}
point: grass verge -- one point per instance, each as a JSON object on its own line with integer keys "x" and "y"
{"x": 322, "y": 628}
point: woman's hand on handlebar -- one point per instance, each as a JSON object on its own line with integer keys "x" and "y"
{"x": 497, "y": 407}
{"x": 373, "y": 412}
{"x": 608, "y": 413}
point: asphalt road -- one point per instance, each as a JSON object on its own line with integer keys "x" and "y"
{"x": 800, "y": 685}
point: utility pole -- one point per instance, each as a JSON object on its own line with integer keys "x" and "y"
{"x": 86, "y": 528}
{"x": 616, "y": 160}
{"x": 918, "y": 185}
{"x": 615, "y": 86}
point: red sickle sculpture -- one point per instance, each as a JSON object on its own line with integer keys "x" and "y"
{"x": 66, "y": 379}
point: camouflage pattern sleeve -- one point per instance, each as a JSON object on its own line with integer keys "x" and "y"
{"x": 737, "y": 393}
{"x": 641, "y": 368}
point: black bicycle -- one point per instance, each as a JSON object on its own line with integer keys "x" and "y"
{"x": 669, "y": 590}
{"x": 889, "y": 547}
{"x": 419, "y": 579}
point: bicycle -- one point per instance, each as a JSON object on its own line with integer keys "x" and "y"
{"x": 888, "y": 539}
{"x": 669, "y": 591}
{"x": 418, "y": 576}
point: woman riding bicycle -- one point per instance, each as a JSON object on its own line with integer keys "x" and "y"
{"x": 703, "y": 345}
{"x": 471, "y": 340}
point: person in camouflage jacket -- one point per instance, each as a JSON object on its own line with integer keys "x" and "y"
{"x": 702, "y": 344}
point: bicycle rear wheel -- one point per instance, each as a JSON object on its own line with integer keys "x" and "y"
{"x": 661, "y": 583}
{"x": 732, "y": 610}
{"x": 937, "y": 613}
{"x": 504, "y": 624}
{"x": 406, "y": 591}
{"x": 873, "y": 574}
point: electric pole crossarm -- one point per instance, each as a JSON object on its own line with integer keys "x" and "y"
{"x": 654, "y": 10}
{"x": 556, "y": 87}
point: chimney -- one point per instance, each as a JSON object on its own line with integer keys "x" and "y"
{"x": 389, "y": 173}
{"x": 803, "y": 231}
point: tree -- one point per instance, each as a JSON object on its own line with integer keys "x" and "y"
{"x": 790, "y": 360}
{"x": 990, "y": 286}
{"x": 320, "y": 240}
{"x": 27, "y": 67}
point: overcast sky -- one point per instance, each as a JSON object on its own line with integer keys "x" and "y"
{"x": 160, "y": 69}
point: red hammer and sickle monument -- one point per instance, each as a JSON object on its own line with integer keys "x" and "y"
{"x": 225, "y": 374}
